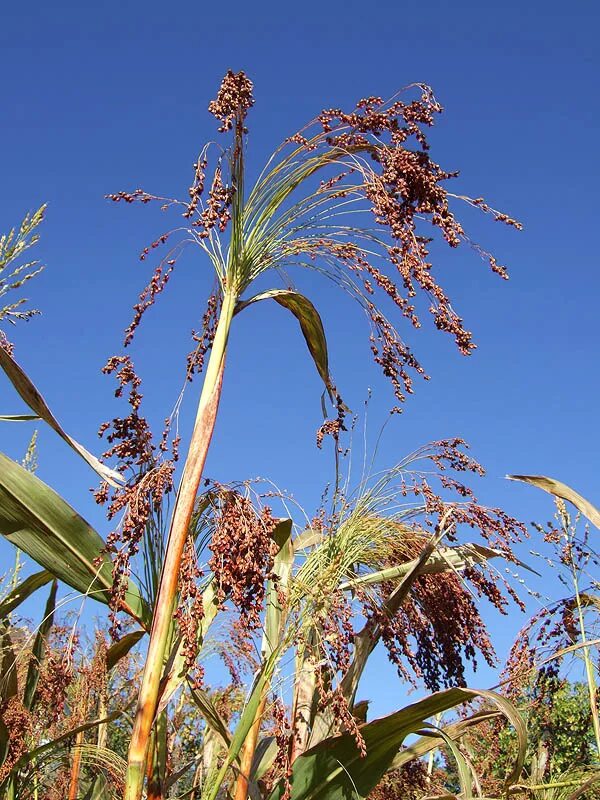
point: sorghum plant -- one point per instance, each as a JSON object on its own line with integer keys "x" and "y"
{"x": 355, "y": 196}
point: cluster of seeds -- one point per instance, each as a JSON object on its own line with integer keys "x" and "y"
{"x": 190, "y": 609}
{"x": 233, "y": 101}
{"x": 56, "y": 675}
{"x": 242, "y": 553}
{"x": 18, "y": 722}
{"x": 204, "y": 337}
{"x": 432, "y": 635}
{"x": 404, "y": 188}
{"x": 411, "y": 782}
{"x": 150, "y": 479}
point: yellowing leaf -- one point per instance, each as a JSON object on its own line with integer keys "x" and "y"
{"x": 559, "y": 489}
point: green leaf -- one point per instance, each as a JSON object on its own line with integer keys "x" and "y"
{"x": 98, "y": 789}
{"x": 37, "y": 652}
{"x": 28, "y": 392}
{"x": 211, "y": 715}
{"x": 445, "y": 559}
{"x": 335, "y": 770}
{"x": 38, "y": 521}
{"x": 310, "y": 324}
{"x": 563, "y": 491}
{"x": 8, "y": 672}
{"x": 21, "y": 592}
{"x": 464, "y": 769}
{"x": 17, "y": 417}
{"x": 264, "y": 757}
{"x": 428, "y": 742}
{"x": 119, "y": 649}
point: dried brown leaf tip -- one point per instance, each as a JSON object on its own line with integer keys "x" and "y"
{"x": 234, "y": 100}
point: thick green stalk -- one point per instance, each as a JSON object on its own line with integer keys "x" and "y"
{"x": 180, "y": 522}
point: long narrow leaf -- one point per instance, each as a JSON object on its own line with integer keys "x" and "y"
{"x": 38, "y": 521}
{"x": 120, "y": 648}
{"x": 211, "y": 715}
{"x": 282, "y": 568}
{"x": 446, "y": 559}
{"x": 336, "y": 770}
{"x": 559, "y": 489}
{"x": 464, "y": 769}
{"x": 310, "y": 324}
{"x": 242, "y": 729}
{"x": 21, "y": 592}
{"x": 28, "y": 392}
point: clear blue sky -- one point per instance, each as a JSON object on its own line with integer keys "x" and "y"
{"x": 101, "y": 98}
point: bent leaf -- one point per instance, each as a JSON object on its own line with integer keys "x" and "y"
{"x": 446, "y": 559}
{"x": 120, "y": 648}
{"x": 23, "y": 591}
{"x": 310, "y": 324}
{"x": 559, "y": 489}
{"x": 211, "y": 715}
{"x": 466, "y": 773}
{"x": 28, "y": 392}
{"x": 427, "y": 742}
{"x": 335, "y": 770}
{"x": 38, "y": 521}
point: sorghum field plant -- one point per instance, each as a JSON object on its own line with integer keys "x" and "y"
{"x": 298, "y": 601}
